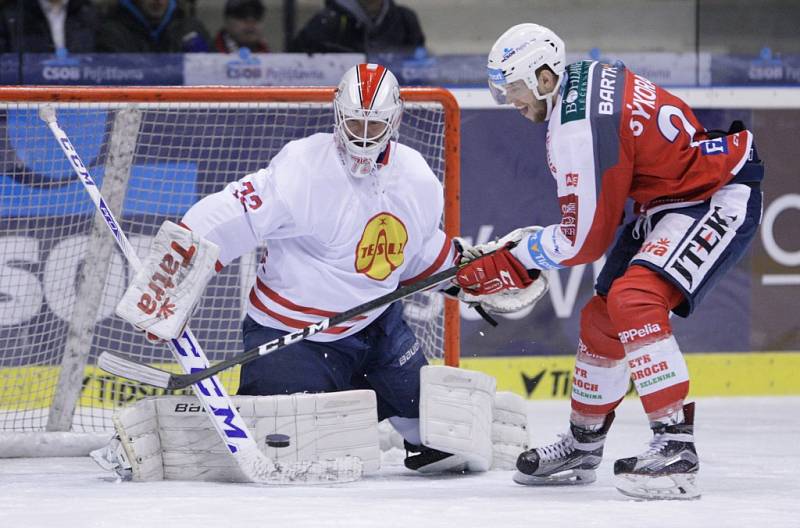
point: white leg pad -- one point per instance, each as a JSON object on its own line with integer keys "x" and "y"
{"x": 510, "y": 434}
{"x": 170, "y": 437}
{"x": 456, "y": 413}
{"x": 137, "y": 428}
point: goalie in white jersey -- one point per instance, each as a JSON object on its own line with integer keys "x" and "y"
{"x": 346, "y": 217}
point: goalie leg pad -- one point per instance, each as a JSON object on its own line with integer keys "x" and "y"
{"x": 456, "y": 414}
{"x": 510, "y": 435}
{"x": 170, "y": 438}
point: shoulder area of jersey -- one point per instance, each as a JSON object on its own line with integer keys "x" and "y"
{"x": 410, "y": 162}
{"x": 309, "y": 148}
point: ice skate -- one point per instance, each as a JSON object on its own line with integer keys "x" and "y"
{"x": 668, "y": 470}
{"x": 428, "y": 460}
{"x": 571, "y": 460}
{"x": 112, "y": 457}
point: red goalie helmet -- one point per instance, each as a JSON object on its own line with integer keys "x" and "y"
{"x": 367, "y": 109}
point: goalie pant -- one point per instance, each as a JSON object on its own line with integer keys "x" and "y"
{"x": 665, "y": 261}
{"x": 385, "y": 357}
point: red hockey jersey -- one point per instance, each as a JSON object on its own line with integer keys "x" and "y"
{"x": 615, "y": 135}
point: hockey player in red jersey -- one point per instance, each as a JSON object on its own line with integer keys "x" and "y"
{"x": 614, "y": 135}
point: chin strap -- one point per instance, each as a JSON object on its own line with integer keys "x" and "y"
{"x": 550, "y": 97}
{"x": 549, "y": 107}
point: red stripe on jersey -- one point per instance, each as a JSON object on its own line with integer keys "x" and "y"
{"x": 288, "y": 321}
{"x": 286, "y": 303}
{"x": 369, "y": 80}
{"x": 430, "y": 270}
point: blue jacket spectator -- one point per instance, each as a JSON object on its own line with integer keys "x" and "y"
{"x": 360, "y": 26}
{"x": 151, "y": 26}
{"x": 70, "y": 24}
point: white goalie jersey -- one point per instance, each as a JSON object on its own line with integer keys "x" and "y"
{"x": 332, "y": 241}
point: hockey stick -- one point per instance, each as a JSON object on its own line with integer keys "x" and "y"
{"x": 126, "y": 368}
{"x": 209, "y": 390}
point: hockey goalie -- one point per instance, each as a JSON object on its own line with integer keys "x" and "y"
{"x": 346, "y": 217}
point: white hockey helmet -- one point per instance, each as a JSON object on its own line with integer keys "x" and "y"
{"x": 518, "y": 54}
{"x": 368, "y": 109}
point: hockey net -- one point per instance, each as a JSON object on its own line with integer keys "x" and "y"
{"x": 61, "y": 274}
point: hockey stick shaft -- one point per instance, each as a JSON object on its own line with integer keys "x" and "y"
{"x": 187, "y": 350}
{"x": 159, "y": 378}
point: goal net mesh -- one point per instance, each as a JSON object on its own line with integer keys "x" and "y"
{"x": 181, "y": 152}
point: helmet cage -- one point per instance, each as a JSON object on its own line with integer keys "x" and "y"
{"x": 357, "y": 128}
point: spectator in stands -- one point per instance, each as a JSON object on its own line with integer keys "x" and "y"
{"x": 244, "y": 27}
{"x": 148, "y": 26}
{"x": 360, "y": 26}
{"x": 48, "y": 25}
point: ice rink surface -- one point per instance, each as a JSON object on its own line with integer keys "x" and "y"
{"x": 749, "y": 460}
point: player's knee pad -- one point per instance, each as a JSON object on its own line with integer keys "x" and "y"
{"x": 170, "y": 438}
{"x": 638, "y": 306}
{"x": 598, "y": 335}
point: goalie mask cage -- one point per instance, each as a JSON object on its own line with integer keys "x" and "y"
{"x": 61, "y": 274}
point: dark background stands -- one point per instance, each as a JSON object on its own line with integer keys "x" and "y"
{"x": 79, "y": 28}
{"x": 243, "y": 27}
{"x": 134, "y": 26}
{"x": 360, "y": 26}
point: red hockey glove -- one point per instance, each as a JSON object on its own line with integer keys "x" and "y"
{"x": 493, "y": 273}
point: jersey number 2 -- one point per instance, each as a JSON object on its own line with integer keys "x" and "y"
{"x": 668, "y": 128}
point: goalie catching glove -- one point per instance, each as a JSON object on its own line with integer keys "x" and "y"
{"x": 167, "y": 287}
{"x": 497, "y": 281}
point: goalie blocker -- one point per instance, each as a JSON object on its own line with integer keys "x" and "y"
{"x": 162, "y": 296}
{"x": 461, "y": 417}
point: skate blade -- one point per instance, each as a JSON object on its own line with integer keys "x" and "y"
{"x": 569, "y": 477}
{"x": 680, "y": 486}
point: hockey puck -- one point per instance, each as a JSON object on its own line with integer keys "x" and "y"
{"x": 277, "y": 440}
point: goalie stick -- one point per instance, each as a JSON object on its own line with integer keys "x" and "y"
{"x": 227, "y": 421}
{"x": 116, "y": 364}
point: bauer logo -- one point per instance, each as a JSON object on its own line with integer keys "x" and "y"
{"x": 380, "y": 250}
